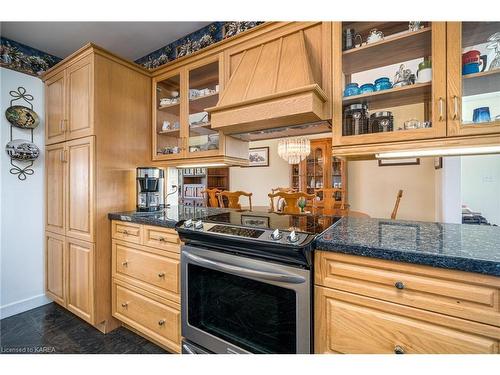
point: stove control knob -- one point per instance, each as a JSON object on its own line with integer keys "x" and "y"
{"x": 293, "y": 237}
{"x": 198, "y": 225}
{"x": 188, "y": 223}
{"x": 276, "y": 235}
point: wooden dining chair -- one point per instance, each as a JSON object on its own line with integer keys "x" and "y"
{"x": 233, "y": 198}
{"x": 282, "y": 190}
{"x": 396, "y": 205}
{"x": 211, "y": 194}
{"x": 330, "y": 204}
{"x": 291, "y": 200}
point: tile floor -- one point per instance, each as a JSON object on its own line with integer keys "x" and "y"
{"x": 52, "y": 329}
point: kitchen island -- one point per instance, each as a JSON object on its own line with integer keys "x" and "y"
{"x": 471, "y": 248}
{"x": 394, "y": 286}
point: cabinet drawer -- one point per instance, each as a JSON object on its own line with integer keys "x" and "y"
{"x": 161, "y": 238}
{"x": 345, "y": 327}
{"x": 160, "y": 321}
{"x": 455, "y": 293}
{"x": 126, "y": 231}
{"x": 146, "y": 269}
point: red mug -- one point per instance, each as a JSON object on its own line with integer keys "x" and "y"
{"x": 470, "y": 57}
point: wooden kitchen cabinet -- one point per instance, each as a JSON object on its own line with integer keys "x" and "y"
{"x": 366, "y": 305}
{"x": 146, "y": 281}
{"x": 55, "y": 108}
{"x": 70, "y": 188}
{"x": 69, "y": 105}
{"x": 181, "y": 127}
{"x": 420, "y": 101}
{"x": 55, "y": 188}
{"x": 80, "y": 278}
{"x": 55, "y": 266}
{"x": 98, "y": 119}
{"x": 477, "y": 90}
{"x": 80, "y": 188}
{"x": 448, "y": 101}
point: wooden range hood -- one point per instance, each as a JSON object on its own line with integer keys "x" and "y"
{"x": 272, "y": 85}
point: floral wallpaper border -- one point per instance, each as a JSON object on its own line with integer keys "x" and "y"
{"x": 25, "y": 59}
{"x": 202, "y": 38}
{"x": 28, "y": 60}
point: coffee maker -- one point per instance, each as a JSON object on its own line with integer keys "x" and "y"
{"x": 150, "y": 189}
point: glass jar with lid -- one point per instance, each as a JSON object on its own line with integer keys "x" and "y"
{"x": 381, "y": 121}
{"x": 355, "y": 119}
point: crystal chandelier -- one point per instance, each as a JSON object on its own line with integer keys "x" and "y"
{"x": 294, "y": 150}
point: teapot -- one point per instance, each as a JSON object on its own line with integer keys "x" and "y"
{"x": 374, "y": 36}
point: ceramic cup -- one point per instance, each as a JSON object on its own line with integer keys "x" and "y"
{"x": 424, "y": 75}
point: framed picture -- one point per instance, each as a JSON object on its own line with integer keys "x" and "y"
{"x": 394, "y": 162}
{"x": 258, "y": 157}
{"x": 255, "y": 221}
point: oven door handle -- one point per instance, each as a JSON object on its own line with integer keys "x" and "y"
{"x": 241, "y": 271}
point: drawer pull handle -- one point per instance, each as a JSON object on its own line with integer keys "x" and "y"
{"x": 161, "y": 274}
{"x": 399, "y": 284}
{"x": 125, "y": 263}
{"x": 124, "y": 304}
{"x": 161, "y": 322}
{"x": 399, "y": 350}
{"x": 162, "y": 239}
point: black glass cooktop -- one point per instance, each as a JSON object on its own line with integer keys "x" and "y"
{"x": 268, "y": 220}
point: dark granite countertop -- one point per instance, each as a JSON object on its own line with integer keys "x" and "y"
{"x": 168, "y": 217}
{"x": 472, "y": 248}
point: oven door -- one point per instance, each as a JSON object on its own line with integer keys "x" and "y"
{"x": 235, "y": 304}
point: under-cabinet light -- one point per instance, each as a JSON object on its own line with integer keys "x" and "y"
{"x": 457, "y": 151}
{"x": 202, "y": 165}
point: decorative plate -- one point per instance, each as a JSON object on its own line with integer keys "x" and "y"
{"x": 20, "y": 149}
{"x": 22, "y": 117}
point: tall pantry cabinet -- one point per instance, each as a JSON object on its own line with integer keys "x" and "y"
{"x": 97, "y": 134}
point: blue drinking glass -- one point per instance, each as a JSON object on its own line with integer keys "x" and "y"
{"x": 351, "y": 89}
{"x": 367, "y": 87}
{"x": 382, "y": 83}
{"x": 481, "y": 114}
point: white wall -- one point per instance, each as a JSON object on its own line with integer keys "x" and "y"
{"x": 260, "y": 180}
{"x": 480, "y": 185}
{"x": 21, "y": 210}
{"x": 373, "y": 189}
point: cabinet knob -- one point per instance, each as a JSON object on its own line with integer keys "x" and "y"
{"x": 161, "y": 274}
{"x": 399, "y": 350}
{"x": 161, "y": 322}
{"x": 125, "y": 263}
{"x": 124, "y": 304}
{"x": 399, "y": 285}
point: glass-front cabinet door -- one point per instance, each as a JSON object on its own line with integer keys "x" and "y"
{"x": 203, "y": 93}
{"x": 473, "y": 78}
{"x": 167, "y": 118}
{"x": 391, "y": 85}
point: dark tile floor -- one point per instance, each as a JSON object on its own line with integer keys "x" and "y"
{"x": 52, "y": 329}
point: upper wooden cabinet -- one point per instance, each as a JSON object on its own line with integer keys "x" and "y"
{"x": 69, "y": 105}
{"x": 473, "y": 90}
{"x": 445, "y": 105}
{"x": 182, "y": 129}
{"x": 423, "y": 101}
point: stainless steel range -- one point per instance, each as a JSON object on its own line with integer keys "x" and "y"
{"x": 246, "y": 283}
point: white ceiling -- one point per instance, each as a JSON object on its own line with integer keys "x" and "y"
{"x": 131, "y": 40}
